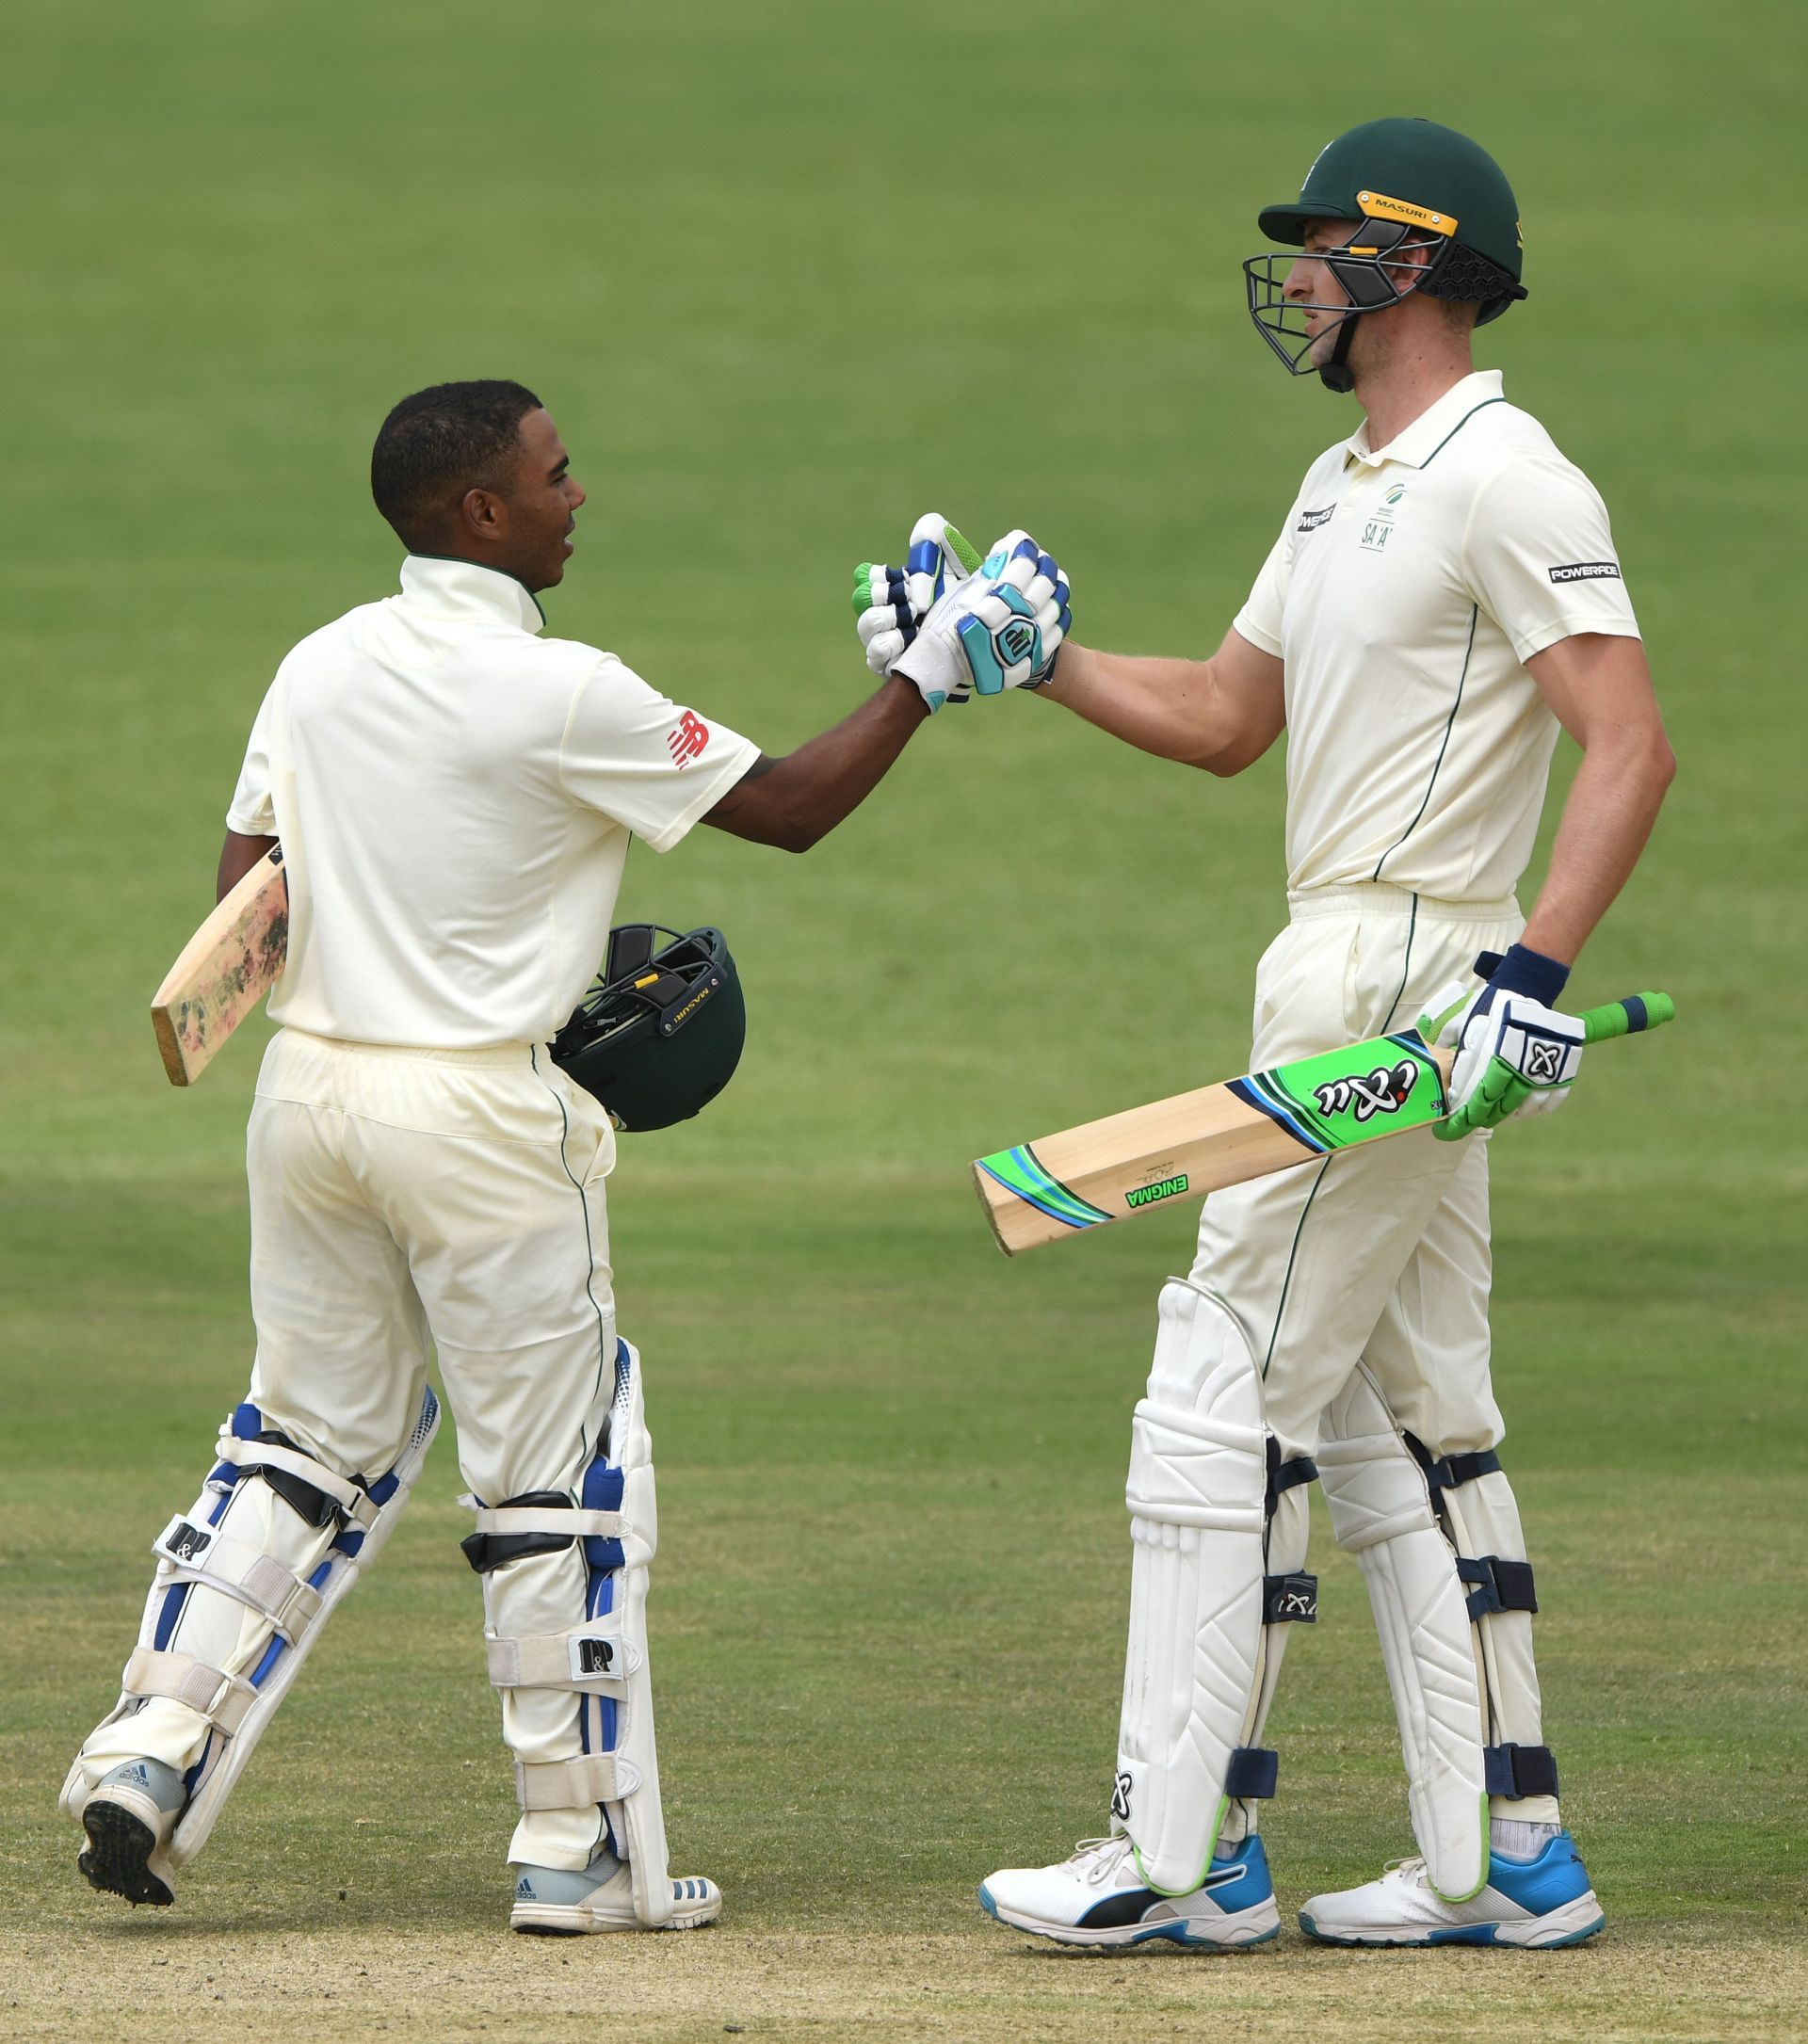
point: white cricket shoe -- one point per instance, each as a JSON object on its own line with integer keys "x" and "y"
{"x": 555, "y": 1902}
{"x": 1543, "y": 1901}
{"x": 1098, "y": 1897}
{"x": 129, "y": 1815}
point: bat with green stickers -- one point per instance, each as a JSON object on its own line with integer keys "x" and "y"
{"x": 1244, "y": 1128}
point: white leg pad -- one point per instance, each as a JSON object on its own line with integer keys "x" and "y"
{"x": 1196, "y": 1492}
{"x": 601, "y": 1658}
{"x": 1380, "y": 1510}
{"x": 235, "y": 1601}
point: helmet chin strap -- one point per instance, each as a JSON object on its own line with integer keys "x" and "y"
{"x": 1334, "y": 372}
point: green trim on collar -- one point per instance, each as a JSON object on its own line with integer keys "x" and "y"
{"x": 1458, "y": 429}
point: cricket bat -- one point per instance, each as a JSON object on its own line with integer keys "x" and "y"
{"x": 1218, "y": 1135}
{"x": 225, "y": 970}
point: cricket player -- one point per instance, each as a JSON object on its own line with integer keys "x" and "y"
{"x": 455, "y": 797}
{"x": 1444, "y": 595}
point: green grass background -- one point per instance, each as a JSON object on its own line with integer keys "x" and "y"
{"x": 787, "y": 274}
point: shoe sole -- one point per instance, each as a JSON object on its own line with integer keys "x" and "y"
{"x": 118, "y": 1858}
{"x": 1234, "y": 1933}
{"x": 1573, "y": 1923}
{"x": 553, "y": 1920}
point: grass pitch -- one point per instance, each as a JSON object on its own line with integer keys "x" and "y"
{"x": 785, "y": 276}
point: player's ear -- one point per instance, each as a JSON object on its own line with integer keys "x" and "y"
{"x": 483, "y": 514}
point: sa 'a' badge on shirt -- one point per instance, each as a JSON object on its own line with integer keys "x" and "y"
{"x": 1378, "y": 527}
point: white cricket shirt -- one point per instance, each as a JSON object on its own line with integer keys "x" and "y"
{"x": 455, "y": 797}
{"x": 1407, "y": 590}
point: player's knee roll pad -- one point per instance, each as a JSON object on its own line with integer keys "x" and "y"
{"x": 232, "y": 1555}
{"x": 599, "y": 1656}
{"x": 1199, "y": 1493}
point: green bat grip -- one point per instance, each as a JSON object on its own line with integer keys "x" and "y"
{"x": 1501, "y": 1090}
{"x": 1626, "y": 1018}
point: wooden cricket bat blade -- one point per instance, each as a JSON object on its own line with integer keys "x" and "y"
{"x": 223, "y": 972}
{"x": 1215, "y": 1135}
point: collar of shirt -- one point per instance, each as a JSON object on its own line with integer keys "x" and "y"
{"x": 464, "y": 588}
{"x": 1416, "y": 445}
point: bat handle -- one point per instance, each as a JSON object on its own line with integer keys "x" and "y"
{"x": 1628, "y": 1017}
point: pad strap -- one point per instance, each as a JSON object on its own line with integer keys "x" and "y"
{"x": 1451, "y": 1471}
{"x": 574, "y": 1784}
{"x": 1499, "y": 1585}
{"x": 1252, "y": 1773}
{"x": 593, "y": 1660}
{"x": 570, "y": 1520}
{"x": 222, "y": 1699}
{"x": 353, "y": 1504}
{"x": 1287, "y": 1475}
{"x": 1518, "y": 1771}
{"x": 1290, "y": 1600}
{"x": 199, "y": 1555}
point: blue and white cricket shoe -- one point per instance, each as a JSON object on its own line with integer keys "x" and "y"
{"x": 1097, "y": 1897}
{"x": 553, "y": 1902}
{"x": 1540, "y": 1901}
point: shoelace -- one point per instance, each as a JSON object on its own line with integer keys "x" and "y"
{"x": 1109, "y": 1855}
{"x": 1411, "y": 1871}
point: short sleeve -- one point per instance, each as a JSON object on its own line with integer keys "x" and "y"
{"x": 253, "y": 812}
{"x": 1539, "y": 557}
{"x": 1261, "y": 619}
{"x": 642, "y": 759}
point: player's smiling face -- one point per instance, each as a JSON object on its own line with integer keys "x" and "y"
{"x": 543, "y": 502}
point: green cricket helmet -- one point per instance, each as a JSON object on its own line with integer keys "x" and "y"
{"x": 660, "y": 1032}
{"x": 1406, "y": 186}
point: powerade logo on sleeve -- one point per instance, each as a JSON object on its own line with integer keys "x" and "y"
{"x": 1587, "y": 571}
{"x": 1164, "y": 1188}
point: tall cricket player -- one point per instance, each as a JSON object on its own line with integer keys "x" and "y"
{"x": 1444, "y": 595}
{"x": 455, "y": 796}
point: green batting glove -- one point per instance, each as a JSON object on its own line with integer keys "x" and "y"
{"x": 1499, "y": 1092}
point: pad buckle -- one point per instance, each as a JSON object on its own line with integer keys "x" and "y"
{"x": 1499, "y": 1585}
{"x": 1516, "y": 1772}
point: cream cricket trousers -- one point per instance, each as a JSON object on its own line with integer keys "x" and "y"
{"x": 1378, "y": 1256}
{"x": 406, "y": 1197}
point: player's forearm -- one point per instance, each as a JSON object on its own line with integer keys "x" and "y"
{"x": 237, "y": 856}
{"x": 796, "y": 800}
{"x": 1169, "y": 707}
{"x": 1612, "y": 804}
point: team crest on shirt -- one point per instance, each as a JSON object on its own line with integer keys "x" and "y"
{"x": 1377, "y": 527}
{"x": 687, "y": 739}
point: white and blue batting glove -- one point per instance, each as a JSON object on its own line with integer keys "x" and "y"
{"x": 890, "y": 603}
{"x": 999, "y": 629}
{"x": 1516, "y": 1053}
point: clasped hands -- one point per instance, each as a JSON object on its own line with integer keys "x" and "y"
{"x": 955, "y": 625}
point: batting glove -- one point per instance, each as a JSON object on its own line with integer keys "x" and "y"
{"x": 999, "y": 629}
{"x": 890, "y": 603}
{"x": 1515, "y": 1052}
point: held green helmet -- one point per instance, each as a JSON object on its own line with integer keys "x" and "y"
{"x": 1406, "y": 186}
{"x": 660, "y": 1032}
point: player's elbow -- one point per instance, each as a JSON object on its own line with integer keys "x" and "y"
{"x": 1654, "y": 760}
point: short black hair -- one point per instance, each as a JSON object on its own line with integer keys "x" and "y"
{"x": 440, "y": 442}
